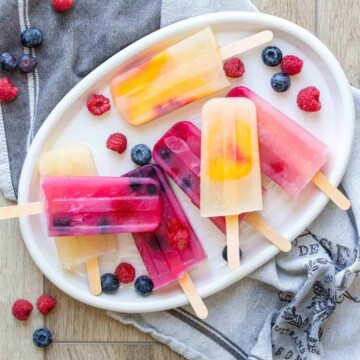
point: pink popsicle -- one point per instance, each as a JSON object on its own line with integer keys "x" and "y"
{"x": 100, "y": 205}
{"x": 178, "y": 153}
{"x": 289, "y": 154}
{"x": 173, "y": 248}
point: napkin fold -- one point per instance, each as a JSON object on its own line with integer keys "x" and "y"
{"x": 300, "y": 305}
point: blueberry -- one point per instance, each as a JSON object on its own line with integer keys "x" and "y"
{"x": 42, "y": 337}
{"x": 152, "y": 189}
{"x": 27, "y": 63}
{"x": 8, "y": 61}
{"x": 144, "y": 285}
{"x": 224, "y": 253}
{"x": 109, "y": 283}
{"x": 165, "y": 153}
{"x": 271, "y": 56}
{"x": 154, "y": 243}
{"x": 135, "y": 186}
{"x": 104, "y": 222}
{"x": 186, "y": 182}
{"x": 31, "y": 37}
{"x": 280, "y": 82}
{"x": 140, "y": 154}
{"x": 62, "y": 222}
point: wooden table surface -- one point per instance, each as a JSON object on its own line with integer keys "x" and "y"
{"x": 82, "y": 332}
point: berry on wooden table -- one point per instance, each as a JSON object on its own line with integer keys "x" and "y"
{"x": 8, "y": 91}
{"x": 42, "y": 337}
{"x": 21, "y": 309}
{"x": 45, "y": 303}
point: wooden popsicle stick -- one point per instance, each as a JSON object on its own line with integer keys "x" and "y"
{"x": 232, "y": 239}
{"x": 259, "y": 224}
{"x": 321, "y": 181}
{"x": 192, "y": 295}
{"x": 93, "y": 273}
{"x": 9, "y": 212}
{"x": 246, "y": 44}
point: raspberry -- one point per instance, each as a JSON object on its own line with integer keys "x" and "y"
{"x": 125, "y": 273}
{"x": 291, "y": 65}
{"x": 117, "y": 142}
{"x": 21, "y": 309}
{"x": 45, "y": 303}
{"x": 234, "y": 67}
{"x": 308, "y": 99}
{"x": 62, "y": 5}
{"x": 178, "y": 236}
{"x": 98, "y": 104}
{"x": 8, "y": 91}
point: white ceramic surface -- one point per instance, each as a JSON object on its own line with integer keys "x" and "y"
{"x": 70, "y": 123}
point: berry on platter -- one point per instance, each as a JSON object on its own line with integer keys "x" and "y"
{"x": 98, "y": 104}
{"x": 109, "y": 283}
{"x": 8, "y": 91}
{"x": 291, "y": 65}
{"x": 21, "y": 309}
{"x": 234, "y": 67}
{"x": 117, "y": 142}
{"x": 62, "y": 5}
{"x": 125, "y": 273}
{"x": 42, "y": 337}
{"x": 27, "y": 63}
{"x": 45, "y": 303}
{"x": 140, "y": 154}
{"x": 271, "y": 56}
{"x": 280, "y": 82}
{"x": 31, "y": 37}
{"x": 144, "y": 285}
{"x": 224, "y": 253}
{"x": 308, "y": 99}
{"x": 8, "y": 61}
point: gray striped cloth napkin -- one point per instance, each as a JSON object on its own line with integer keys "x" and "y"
{"x": 301, "y": 305}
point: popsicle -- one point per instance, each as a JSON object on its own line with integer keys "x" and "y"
{"x": 178, "y": 154}
{"x": 289, "y": 154}
{"x": 173, "y": 248}
{"x": 89, "y": 205}
{"x": 230, "y": 181}
{"x": 77, "y": 160}
{"x": 184, "y": 72}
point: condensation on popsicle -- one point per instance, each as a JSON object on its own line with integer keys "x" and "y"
{"x": 184, "y": 72}
{"x": 289, "y": 154}
{"x": 100, "y": 205}
{"x": 230, "y": 169}
{"x": 75, "y": 160}
{"x": 173, "y": 248}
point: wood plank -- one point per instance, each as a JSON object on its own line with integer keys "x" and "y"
{"x": 20, "y": 278}
{"x": 74, "y": 321}
{"x": 299, "y": 12}
{"x": 110, "y": 351}
{"x": 338, "y": 28}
